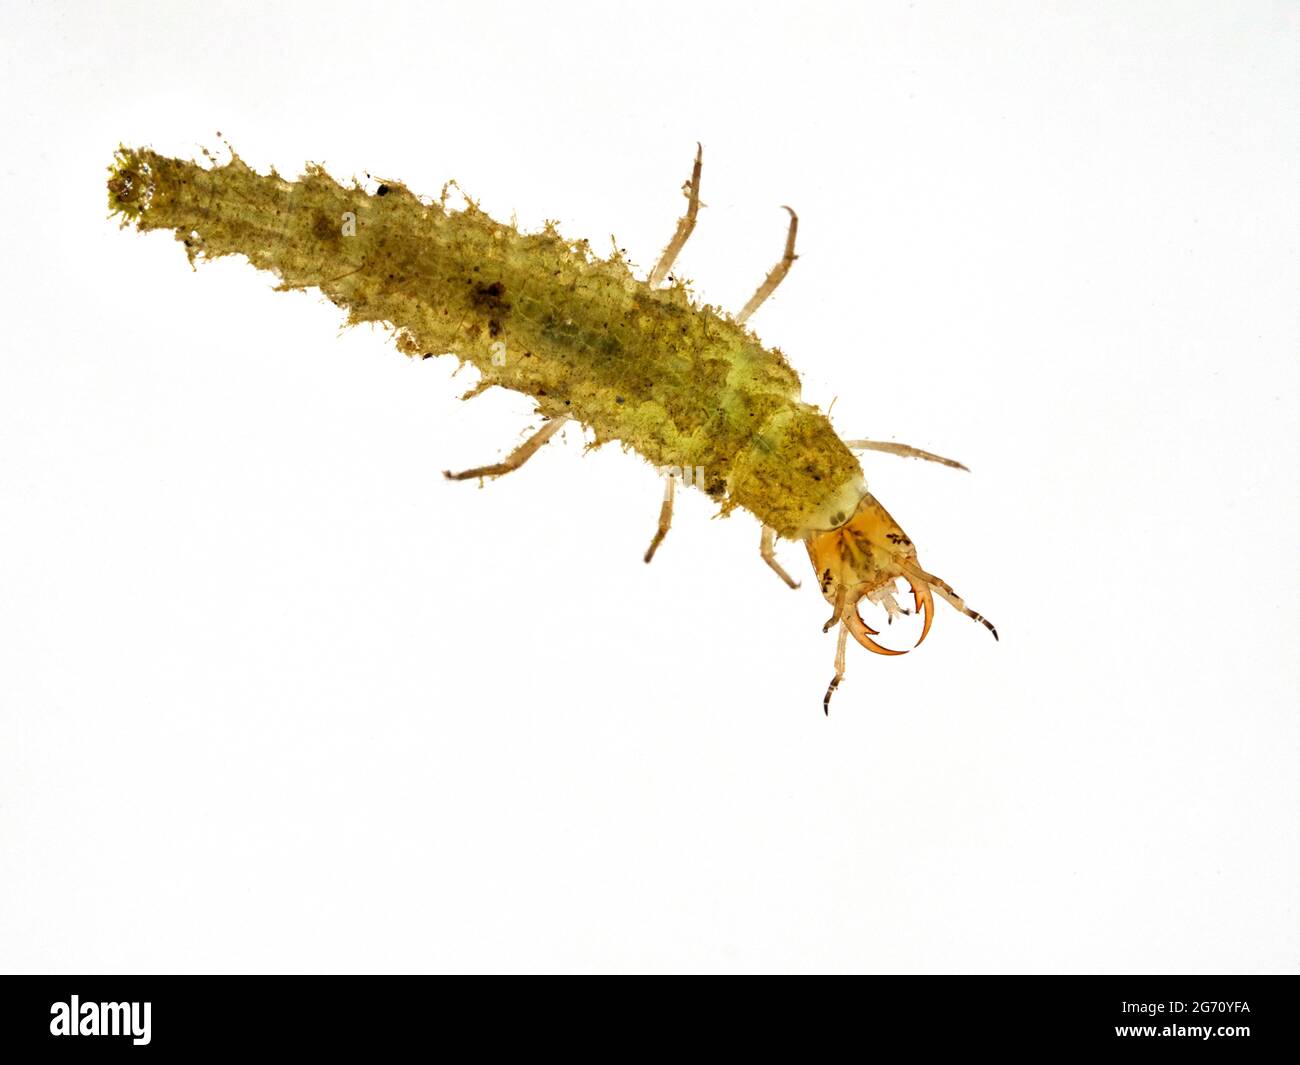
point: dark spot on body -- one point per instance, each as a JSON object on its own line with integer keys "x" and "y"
{"x": 618, "y": 399}
{"x": 491, "y": 297}
{"x": 494, "y": 327}
{"x": 324, "y": 228}
{"x": 383, "y": 190}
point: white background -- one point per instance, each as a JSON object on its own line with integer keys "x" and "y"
{"x": 275, "y": 696}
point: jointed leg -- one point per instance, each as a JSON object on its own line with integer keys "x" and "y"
{"x": 904, "y": 451}
{"x": 776, "y": 275}
{"x": 841, "y": 602}
{"x": 685, "y": 224}
{"x": 515, "y": 459}
{"x": 766, "y": 548}
{"x": 665, "y": 516}
{"x": 839, "y": 670}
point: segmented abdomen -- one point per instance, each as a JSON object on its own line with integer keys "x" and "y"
{"x": 682, "y": 385}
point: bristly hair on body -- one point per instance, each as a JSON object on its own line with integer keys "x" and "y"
{"x": 688, "y": 387}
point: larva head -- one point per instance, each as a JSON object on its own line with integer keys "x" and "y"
{"x": 863, "y": 558}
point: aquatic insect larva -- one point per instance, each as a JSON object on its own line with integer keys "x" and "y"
{"x": 689, "y": 388}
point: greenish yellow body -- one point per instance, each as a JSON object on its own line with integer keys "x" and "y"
{"x": 683, "y": 385}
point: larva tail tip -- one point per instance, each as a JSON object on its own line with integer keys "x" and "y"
{"x": 130, "y": 184}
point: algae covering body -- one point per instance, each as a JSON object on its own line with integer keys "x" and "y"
{"x": 684, "y": 386}
{"x": 688, "y": 387}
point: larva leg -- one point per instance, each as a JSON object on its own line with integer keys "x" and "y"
{"x": 685, "y": 224}
{"x": 839, "y": 670}
{"x": 841, "y": 602}
{"x": 515, "y": 459}
{"x": 767, "y": 548}
{"x": 776, "y": 275}
{"x": 665, "y": 516}
{"x": 904, "y": 451}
